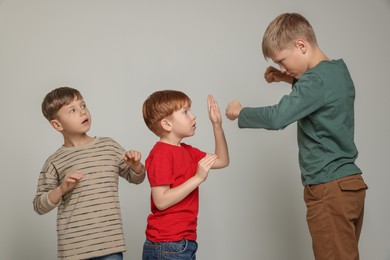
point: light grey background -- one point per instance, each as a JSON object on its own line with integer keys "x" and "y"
{"x": 118, "y": 52}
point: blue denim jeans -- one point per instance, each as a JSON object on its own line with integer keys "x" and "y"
{"x": 178, "y": 250}
{"x": 116, "y": 256}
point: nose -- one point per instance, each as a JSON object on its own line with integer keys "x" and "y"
{"x": 283, "y": 69}
{"x": 83, "y": 112}
{"x": 193, "y": 116}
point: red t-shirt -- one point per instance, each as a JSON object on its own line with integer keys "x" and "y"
{"x": 173, "y": 165}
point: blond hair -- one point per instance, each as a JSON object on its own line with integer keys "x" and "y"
{"x": 160, "y": 105}
{"x": 283, "y": 30}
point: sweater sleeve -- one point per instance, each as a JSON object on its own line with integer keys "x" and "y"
{"x": 305, "y": 98}
{"x": 131, "y": 176}
{"x": 124, "y": 170}
{"x": 42, "y": 203}
{"x": 47, "y": 181}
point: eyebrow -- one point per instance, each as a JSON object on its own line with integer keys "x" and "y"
{"x": 279, "y": 60}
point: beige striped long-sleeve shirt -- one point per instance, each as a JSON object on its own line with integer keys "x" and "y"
{"x": 89, "y": 220}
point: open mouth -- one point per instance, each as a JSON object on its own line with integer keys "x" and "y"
{"x": 85, "y": 121}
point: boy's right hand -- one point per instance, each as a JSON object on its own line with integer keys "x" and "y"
{"x": 205, "y": 165}
{"x": 70, "y": 181}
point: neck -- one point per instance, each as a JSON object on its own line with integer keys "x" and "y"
{"x": 317, "y": 57}
{"x": 73, "y": 141}
{"x": 170, "y": 140}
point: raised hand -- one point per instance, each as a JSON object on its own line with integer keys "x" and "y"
{"x": 70, "y": 181}
{"x": 213, "y": 109}
{"x": 272, "y": 74}
{"x": 133, "y": 160}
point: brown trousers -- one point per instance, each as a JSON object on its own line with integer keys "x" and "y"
{"x": 335, "y": 216}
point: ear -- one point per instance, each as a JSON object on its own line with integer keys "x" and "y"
{"x": 56, "y": 125}
{"x": 301, "y": 45}
{"x": 166, "y": 124}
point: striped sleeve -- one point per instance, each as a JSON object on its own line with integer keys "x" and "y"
{"x": 48, "y": 180}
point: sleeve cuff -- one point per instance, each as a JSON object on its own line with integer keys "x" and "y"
{"x": 47, "y": 203}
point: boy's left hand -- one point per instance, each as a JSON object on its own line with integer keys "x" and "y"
{"x": 233, "y": 110}
{"x": 133, "y": 159}
{"x": 214, "y": 113}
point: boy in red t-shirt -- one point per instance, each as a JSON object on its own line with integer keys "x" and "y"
{"x": 175, "y": 170}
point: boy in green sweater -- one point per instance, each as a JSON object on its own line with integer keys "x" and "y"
{"x": 322, "y": 104}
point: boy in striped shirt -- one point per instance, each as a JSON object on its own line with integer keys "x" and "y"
{"x": 81, "y": 179}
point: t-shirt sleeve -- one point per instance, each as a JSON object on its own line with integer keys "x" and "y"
{"x": 160, "y": 169}
{"x": 195, "y": 152}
